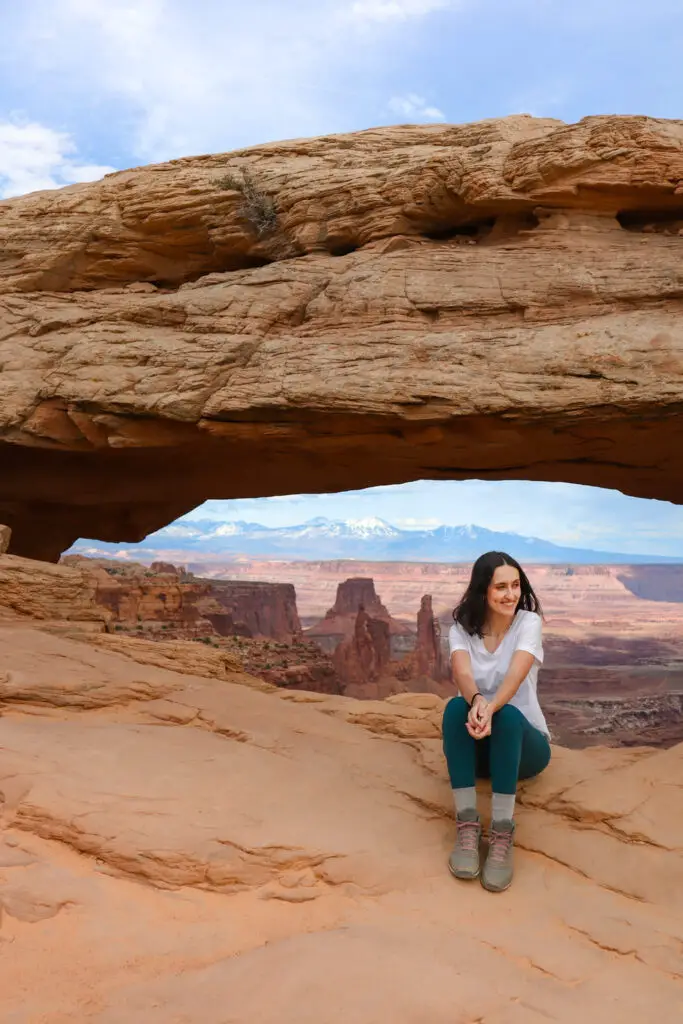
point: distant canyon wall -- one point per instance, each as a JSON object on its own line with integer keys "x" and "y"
{"x": 169, "y": 596}
{"x": 617, "y": 679}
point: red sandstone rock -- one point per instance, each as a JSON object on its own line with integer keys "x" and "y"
{"x": 50, "y": 593}
{"x": 299, "y": 665}
{"x": 165, "y": 596}
{"x": 425, "y": 669}
{"x": 167, "y": 569}
{"x": 340, "y": 621}
{"x": 361, "y": 660}
{"x": 428, "y": 649}
{"x": 258, "y": 609}
{"x": 565, "y": 289}
{"x": 279, "y": 835}
{"x": 5, "y": 538}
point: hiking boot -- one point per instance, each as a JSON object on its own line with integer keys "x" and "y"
{"x": 497, "y": 873}
{"x": 464, "y": 860}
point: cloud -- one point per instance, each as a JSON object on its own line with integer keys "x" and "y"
{"x": 560, "y": 512}
{"x": 34, "y": 157}
{"x": 165, "y": 80}
{"x": 415, "y": 108}
{"x": 397, "y": 10}
{"x": 417, "y": 524}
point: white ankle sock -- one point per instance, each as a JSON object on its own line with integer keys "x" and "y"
{"x": 502, "y": 806}
{"x": 465, "y": 799}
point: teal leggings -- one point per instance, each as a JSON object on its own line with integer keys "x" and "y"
{"x": 514, "y": 750}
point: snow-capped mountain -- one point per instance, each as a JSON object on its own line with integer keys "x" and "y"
{"x": 369, "y": 539}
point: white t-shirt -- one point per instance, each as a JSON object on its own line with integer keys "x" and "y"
{"x": 525, "y": 634}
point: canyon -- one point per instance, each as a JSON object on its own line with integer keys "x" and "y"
{"x": 613, "y": 669}
{"x": 184, "y": 839}
{"x": 613, "y": 635}
{"x": 174, "y": 829}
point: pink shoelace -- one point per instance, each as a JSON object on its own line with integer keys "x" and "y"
{"x": 499, "y": 844}
{"x": 468, "y": 835}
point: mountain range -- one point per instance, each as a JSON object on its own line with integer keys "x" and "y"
{"x": 369, "y": 539}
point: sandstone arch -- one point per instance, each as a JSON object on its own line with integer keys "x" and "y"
{"x": 500, "y": 299}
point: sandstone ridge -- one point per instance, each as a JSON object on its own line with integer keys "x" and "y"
{"x": 499, "y": 299}
{"x": 170, "y": 839}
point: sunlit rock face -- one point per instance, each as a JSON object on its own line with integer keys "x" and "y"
{"x": 161, "y": 808}
{"x": 499, "y": 299}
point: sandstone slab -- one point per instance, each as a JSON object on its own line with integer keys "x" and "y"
{"x": 39, "y": 591}
{"x": 172, "y": 839}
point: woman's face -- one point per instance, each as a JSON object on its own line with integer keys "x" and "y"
{"x": 504, "y": 591}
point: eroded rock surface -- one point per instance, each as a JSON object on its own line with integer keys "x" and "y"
{"x": 362, "y": 659}
{"x": 37, "y": 590}
{"x": 167, "y": 597}
{"x": 340, "y": 621}
{"x": 429, "y": 659}
{"x": 499, "y": 299}
{"x": 169, "y": 840}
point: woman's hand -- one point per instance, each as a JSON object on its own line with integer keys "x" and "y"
{"x": 479, "y": 718}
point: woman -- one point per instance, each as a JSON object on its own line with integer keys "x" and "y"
{"x": 496, "y": 728}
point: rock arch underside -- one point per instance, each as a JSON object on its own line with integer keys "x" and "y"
{"x": 499, "y": 299}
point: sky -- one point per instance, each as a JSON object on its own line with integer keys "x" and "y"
{"x": 89, "y": 86}
{"x": 566, "y": 514}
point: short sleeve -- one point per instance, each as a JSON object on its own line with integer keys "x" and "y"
{"x": 530, "y": 636}
{"x": 458, "y": 640}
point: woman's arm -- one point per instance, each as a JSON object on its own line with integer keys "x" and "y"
{"x": 461, "y": 663}
{"x": 520, "y": 666}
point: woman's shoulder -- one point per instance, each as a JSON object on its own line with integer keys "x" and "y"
{"x": 528, "y": 619}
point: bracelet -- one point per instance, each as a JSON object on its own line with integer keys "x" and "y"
{"x": 474, "y": 697}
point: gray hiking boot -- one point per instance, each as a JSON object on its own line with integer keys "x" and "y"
{"x": 464, "y": 860}
{"x": 497, "y": 873}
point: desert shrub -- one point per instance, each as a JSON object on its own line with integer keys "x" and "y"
{"x": 258, "y": 208}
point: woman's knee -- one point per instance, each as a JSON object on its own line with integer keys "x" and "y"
{"x": 508, "y": 720}
{"x": 455, "y": 715}
{"x": 535, "y": 757}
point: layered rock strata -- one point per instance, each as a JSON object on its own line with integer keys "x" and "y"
{"x": 170, "y": 598}
{"x": 362, "y": 659}
{"x": 340, "y": 622}
{"x": 499, "y": 299}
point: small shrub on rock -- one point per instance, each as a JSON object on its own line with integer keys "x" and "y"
{"x": 258, "y": 208}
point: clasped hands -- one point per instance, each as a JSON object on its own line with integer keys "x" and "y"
{"x": 479, "y": 718}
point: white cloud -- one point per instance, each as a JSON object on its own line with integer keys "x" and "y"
{"x": 560, "y": 512}
{"x": 172, "y": 80}
{"x": 417, "y": 524}
{"x": 397, "y": 10}
{"x": 34, "y": 157}
{"x": 415, "y": 108}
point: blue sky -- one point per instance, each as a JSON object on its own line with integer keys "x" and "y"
{"x": 92, "y": 85}
{"x": 563, "y": 513}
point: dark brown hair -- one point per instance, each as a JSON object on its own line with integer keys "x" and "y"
{"x": 472, "y": 608}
